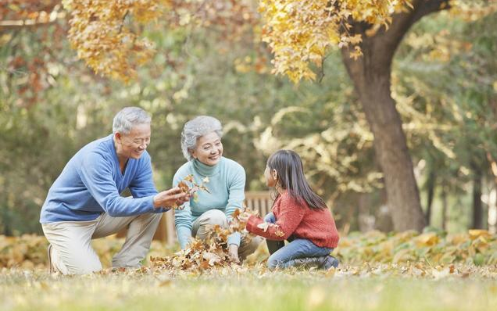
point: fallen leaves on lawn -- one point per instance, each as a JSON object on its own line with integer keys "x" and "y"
{"x": 413, "y": 270}
{"x": 209, "y": 253}
{"x": 408, "y": 253}
{"x": 200, "y": 255}
{"x": 477, "y": 247}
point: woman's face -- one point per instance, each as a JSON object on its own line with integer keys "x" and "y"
{"x": 270, "y": 177}
{"x": 209, "y": 149}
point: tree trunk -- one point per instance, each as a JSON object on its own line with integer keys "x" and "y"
{"x": 384, "y": 221}
{"x": 430, "y": 195}
{"x": 365, "y": 220}
{"x": 371, "y": 77}
{"x": 492, "y": 210}
{"x": 390, "y": 147}
{"x": 477, "y": 203}
{"x": 444, "y": 207}
{"x": 492, "y": 197}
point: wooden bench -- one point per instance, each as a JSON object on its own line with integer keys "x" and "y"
{"x": 260, "y": 201}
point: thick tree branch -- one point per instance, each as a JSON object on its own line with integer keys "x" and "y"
{"x": 430, "y": 6}
{"x": 402, "y": 22}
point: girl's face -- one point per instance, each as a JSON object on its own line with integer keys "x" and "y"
{"x": 209, "y": 149}
{"x": 271, "y": 177}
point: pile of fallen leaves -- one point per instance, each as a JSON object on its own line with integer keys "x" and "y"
{"x": 199, "y": 255}
{"x": 422, "y": 253}
{"x": 209, "y": 253}
{"x": 477, "y": 247}
{"x": 30, "y": 251}
{"x": 422, "y": 270}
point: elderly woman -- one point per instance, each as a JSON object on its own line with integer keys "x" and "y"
{"x": 202, "y": 147}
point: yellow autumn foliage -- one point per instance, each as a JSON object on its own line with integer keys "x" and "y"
{"x": 103, "y": 37}
{"x": 300, "y": 32}
{"x": 429, "y": 247}
{"x": 107, "y": 34}
{"x": 29, "y": 251}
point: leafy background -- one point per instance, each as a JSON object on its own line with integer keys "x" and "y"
{"x": 443, "y": 81}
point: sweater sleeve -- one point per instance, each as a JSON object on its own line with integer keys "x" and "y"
{"x": 96, "y": 175}
{"x": 182, "y": 217}
{"x": 236, "y": 191}
{"x": 235, "y": 199}
{"x": 143, "y": 185}
{"x": 287, "y": 221}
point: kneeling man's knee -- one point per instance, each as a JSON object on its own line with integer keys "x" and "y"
{"x": 84, "y": 265}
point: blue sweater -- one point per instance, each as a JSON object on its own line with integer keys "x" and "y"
{"x": 227, "y": 192}
{"x": 91, "y": 184}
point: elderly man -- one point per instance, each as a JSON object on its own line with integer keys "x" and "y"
{"x": 84, "y": 203}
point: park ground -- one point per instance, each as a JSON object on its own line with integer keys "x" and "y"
{"x": 407, "y": 271}
{"x": 248, "y": 289}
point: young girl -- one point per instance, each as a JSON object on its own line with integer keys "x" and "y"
{"x": 298, "y": 215}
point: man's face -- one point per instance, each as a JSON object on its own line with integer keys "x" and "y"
{"x": 134, "y": 144}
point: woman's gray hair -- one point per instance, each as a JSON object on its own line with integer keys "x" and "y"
{"x": 129, "y": 117}
{"x": 196, "y": 128}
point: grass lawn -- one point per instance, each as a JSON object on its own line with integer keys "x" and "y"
{"x": 404, "y": 271}
{"x": 349, "y": 288}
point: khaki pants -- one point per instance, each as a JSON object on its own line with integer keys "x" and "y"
{"x": 72, "y": 252}
{"x": 202, "y": 225}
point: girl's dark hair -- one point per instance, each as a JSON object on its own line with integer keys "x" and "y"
{"x": 290, "y": 170}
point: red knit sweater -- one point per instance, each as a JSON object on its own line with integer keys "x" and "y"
{"x": 292, "y": 218}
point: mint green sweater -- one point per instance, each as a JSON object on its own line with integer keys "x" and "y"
{"x": 227, "y": 193}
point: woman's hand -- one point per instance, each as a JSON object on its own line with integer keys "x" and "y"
{"x": 171, "y": 197}
{"x": 233, "y": 253}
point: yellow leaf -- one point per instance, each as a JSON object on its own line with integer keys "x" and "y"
{"x": 427, "y": 239}
{"x": 402, "y": 256}
{"x": 474, "y": 234}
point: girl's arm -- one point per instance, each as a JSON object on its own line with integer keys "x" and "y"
{"x": 236, "y": 196}
{"x": 287, "y": 222}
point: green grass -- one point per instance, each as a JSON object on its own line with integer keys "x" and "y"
{"x": 246, "y": 289}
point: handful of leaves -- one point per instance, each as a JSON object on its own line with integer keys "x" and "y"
{"x": 266, "y": 225}
{"x": 188, "y": 185}
{"x": 220, "y": 234}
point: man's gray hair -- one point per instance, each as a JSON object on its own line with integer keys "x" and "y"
{"x": 129, "y": 117}
{"x": 196, "y": 128}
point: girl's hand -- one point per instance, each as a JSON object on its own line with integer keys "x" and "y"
{"x": 244, "y": 216}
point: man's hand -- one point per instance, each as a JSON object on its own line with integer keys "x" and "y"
{"x": 233, "y": 251}
{"x": 171, "y": 197}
